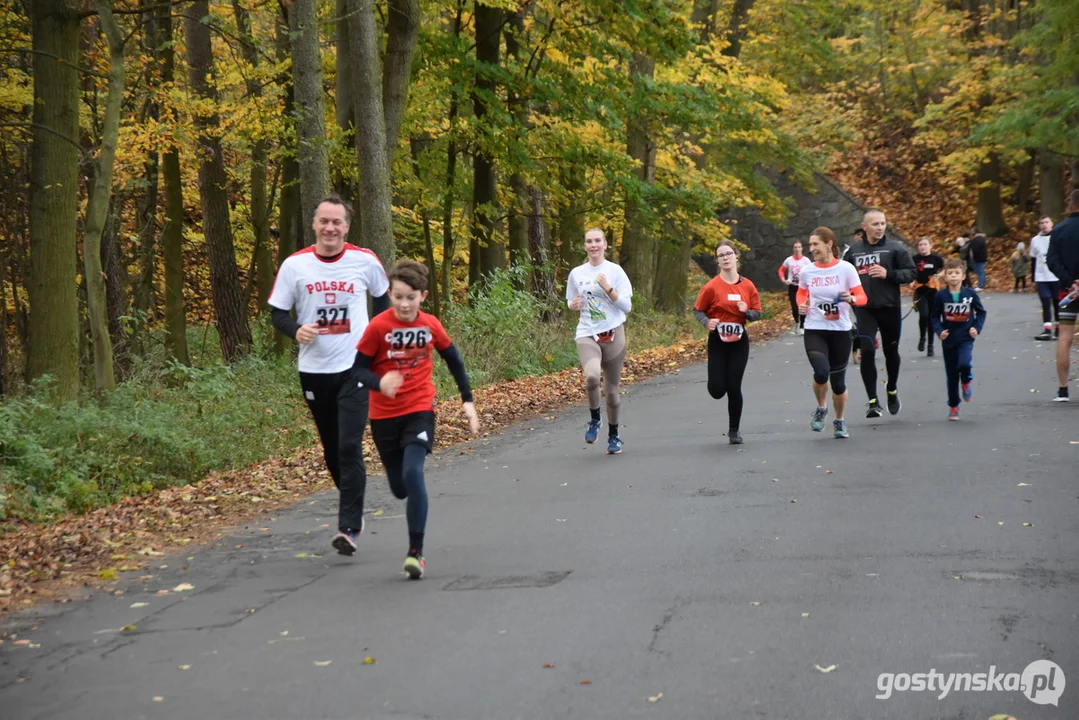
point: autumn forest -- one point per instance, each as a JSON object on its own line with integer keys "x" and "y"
{"x": 161, "y": 157}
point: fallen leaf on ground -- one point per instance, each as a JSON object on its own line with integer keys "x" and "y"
{"x": 158, "y": 698}
{"x": 183, "y": 587}
{"x": 109, "y": 574}
{"x": 828, "y": 669}
{"x": 322, "y": 663}
{"x": 183, "y": 667}
{"x": 585, "y": 682}
{"x": 1028, "y": 524}
{"x": 378, "y": 512}
{"x": 302, "y": 555}
{"x": 1023, "y": 485}
{"x": 21, "y": 642}
{"x": 548, "y": 665}
{"x": 805, "y": 614}
{"x": 754, "y": 602}
{"x": 978, "y": 517}
{"x": 139, "y": 605}
{"x": 128, "y": 628}
{"x": 655, "y": 698}
{"x": 368, "y": 660}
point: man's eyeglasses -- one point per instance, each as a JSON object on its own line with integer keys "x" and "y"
{"x": 724, "y": 255}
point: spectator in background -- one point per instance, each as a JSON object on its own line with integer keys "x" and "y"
{"x": 1019, "y": 267}
{"x": 979, "y": 256}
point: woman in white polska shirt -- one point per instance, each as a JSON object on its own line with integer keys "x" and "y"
{"x": 600, "y": 290}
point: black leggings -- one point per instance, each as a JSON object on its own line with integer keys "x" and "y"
{"x": 792, "y": 295}
{"x": 339, "y": 409}
{"x": 726, "y": 366}
{"x": 889, "y": 321}
{"x": 828, "y": 352}
{"x": 923, "y": 301}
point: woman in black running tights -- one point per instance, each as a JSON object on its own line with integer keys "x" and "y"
{"x": 723, "y": 307}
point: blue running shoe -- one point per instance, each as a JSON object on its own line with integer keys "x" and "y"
{"x": 817, "y": 423}
{"x": 592, "y": 432}
{"x": 614, "y": 445}
{"x": 840, "y": 429}
{"x": 968, "y": 391}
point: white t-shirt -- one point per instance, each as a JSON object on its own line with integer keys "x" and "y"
{"x": 794, "y": 267}
{"x": 824, "y": 284}
{"x": 599, "y": 314}
{"x": 1039, "y": 248}
{"x": 333, "y": 294}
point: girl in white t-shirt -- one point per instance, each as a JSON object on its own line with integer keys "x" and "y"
{"x": 825, "y": 289}
{"x": 788, "y": 274}
{"x": 600, "y": 290}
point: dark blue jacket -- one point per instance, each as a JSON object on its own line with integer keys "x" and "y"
{"x": 1063, "y": 256}
{"x": 957, "y": 317}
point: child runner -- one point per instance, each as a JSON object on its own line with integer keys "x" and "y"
{"x": 958, "y": 317}
{"x": 929, "y": 266}
{"x": 824, "y": 289}
{"x": 724, "y": 306}
{"x": 393, "y": 360}
{"x": 1019, "y": 267}
{"x": 788, "y": 273}
{"x": 601, "y": 292}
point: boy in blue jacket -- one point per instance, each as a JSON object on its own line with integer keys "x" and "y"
{"x": 958, "y": 317}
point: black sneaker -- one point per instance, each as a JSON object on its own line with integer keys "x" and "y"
{"x": 921, "y": 345}
{"x": 734, "y": 437}
{"x": 1046, "y": 335}
{"x": 894, "y": 406}
{"x": 874, "y": 410}
{"x": 929, "y": 351}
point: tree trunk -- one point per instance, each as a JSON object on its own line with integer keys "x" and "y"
{"x": 172, "y": 234}
{"x": 97, "y": 208}
{"x": 147, "y": 205}
{"x": 570, "y": 227}
{"x": 54, "y": 160}
{"x": 376, "y": 210}
{"x": 345, "y": 109}
{"x": 415, "y": 145}
{"x": 403, "y": 30}
{"x": 737, "y": 29}
{"x": 638, "y": 250}
{"x": 672, "y": 274}
{"x": 448, "y": 242}
{"x": 1051, "y": 184}
{"x": 541, "y": 277}
{"x": 112, "y": 263}
{"x": 521, "y": 198}
{"x": 1026, "y": 182}
{"x": 289, "y": 232}
{"x": 233, "y": 332}
{"x": 307, "y": 83}
{"x": 990, "y": 218}
{"x": 260, "y": 203}
{"x": 492, "y": 254}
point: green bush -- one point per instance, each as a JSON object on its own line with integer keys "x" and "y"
{"x": 171, "y": 424}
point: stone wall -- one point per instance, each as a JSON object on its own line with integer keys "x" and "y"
{"x": 829, "y": 205}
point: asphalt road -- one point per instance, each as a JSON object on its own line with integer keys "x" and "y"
{"x": 683, "y": 567}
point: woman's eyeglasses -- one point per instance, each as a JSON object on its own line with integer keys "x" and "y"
{"x": 724, "y": 255}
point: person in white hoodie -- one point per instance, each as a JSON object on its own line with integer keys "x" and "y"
{"x": 600, "y": 290}
{"x": 1045, "y": 282}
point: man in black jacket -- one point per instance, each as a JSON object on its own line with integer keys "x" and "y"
{"x": 1063, "y": 261}
{"x": 884, "y": 265}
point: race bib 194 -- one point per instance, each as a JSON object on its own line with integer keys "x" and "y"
{"x": 730, "y": 332}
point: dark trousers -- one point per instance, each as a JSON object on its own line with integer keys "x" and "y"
{"x": 726, "y": 367}
{"x": 792, "y": 295}
{"x": 889, "y": 322}
{"x": 958, "y": 368}
{"x": 339, "y": 408}
{"x": 923, "y": 301}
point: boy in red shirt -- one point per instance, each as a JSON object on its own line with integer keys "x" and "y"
{"x": 393, "y": 360}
